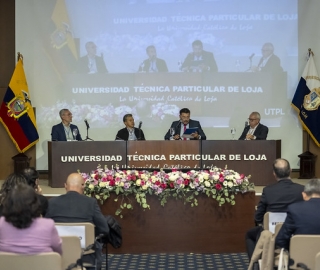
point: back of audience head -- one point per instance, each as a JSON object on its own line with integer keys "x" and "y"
{"x": 9, "y": 183}
{"x": 311, "y": 189}
{"x": 31, "y": 176}
{"x": 75, "y": 182}
{"x": 281, "y": 169}
{"x": 21, "y": 206}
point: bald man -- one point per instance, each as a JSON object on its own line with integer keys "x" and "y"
{"x": 275, "y": 198}
{"x": 76, "y": 207}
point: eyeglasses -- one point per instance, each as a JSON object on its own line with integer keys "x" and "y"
{"x": 252, "y": 119}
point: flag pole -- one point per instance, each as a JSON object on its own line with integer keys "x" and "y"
{"x": 310, "y": 52}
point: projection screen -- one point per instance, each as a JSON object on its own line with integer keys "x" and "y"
{"x": 52, "y": 35}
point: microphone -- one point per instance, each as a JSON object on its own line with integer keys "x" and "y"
{"x": 87, "y": 124}
{"x": 139, "y": 127}
{"x": 252, "y": 55}
{"x": 179, "y": 123}
{"x": 246, "y": 124}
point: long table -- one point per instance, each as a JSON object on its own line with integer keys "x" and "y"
{"x": 253, "y": 158}
{"x": 180, "y": 228}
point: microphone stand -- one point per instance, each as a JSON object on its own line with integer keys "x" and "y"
{"x": 87, "y": 137}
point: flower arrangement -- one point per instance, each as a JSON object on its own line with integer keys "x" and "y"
{"x": 219, "y": 184}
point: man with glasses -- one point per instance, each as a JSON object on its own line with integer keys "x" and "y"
{"x": 269, "y": 62}
{"x": 65, "y": 131}
{"x": 255, "y": 130}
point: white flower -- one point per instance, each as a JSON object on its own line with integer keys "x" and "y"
{"x": 225, "y": 183}
{"x": 205, "y": 176}
{"x": 230, "y": 184}
{"x": 200, "y": 178}
{"x": 138, "y": 182}
{"x": 91, "y": 186}
{"x": 185, "y": 176}
{"x": 207, "y": 183}
{"x": 144, "y": 187}
{"x": 102, "y": 184}
{"x": 216, "y": 177}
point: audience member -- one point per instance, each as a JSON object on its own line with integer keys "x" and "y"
{"x": 302, "y": 217}
{"x": 91, "y": 63}
{"x": 268, "y": 62}
{"x": 255, "y": 130}
{"x": 9, "y": 183}
{"x": 65, "y": 131}
{"x": 199, "y": 60}
{"x": 275, "y": 198}
{"x": 153, "y": 63}
{"x": 74, "y": 206}
{"x": 179, "y": 127}
{"x": 22, "y": 230}
{"x": 130, "y": 133}
{"x": 32, "y": 177}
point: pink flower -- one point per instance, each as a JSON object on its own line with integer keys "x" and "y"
{"x": 218, "y": 186}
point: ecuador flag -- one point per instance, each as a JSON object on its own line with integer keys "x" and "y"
{"x": 16, "y": 112}
{"x": 306, "y": 100}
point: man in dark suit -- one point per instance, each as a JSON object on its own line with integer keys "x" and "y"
{"x": 199, "y": 60}
{"x": 153, "y": 64}
{"x": 269, "y": 62}
{"x": 91, "y": 63}
{"x": 178, "y": 127}
{"x": 302, "y": 217}
{"x": 65, "y": 131}
{"x": 255, "y": 130}
{"x": 75, "y": 207}
{"x": 275, "y": 198}
{"x": 130, "y": 133}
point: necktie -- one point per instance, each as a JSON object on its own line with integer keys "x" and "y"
{"x": 184, "y": 129}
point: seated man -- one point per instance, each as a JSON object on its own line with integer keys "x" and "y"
{"x": 153, "y": 63}
{"x": 91, "y": 63}
{"x": 75, "y": 207}
{"x": 269, "y": 62}
{"x": 255, "y": 130}
{"x": 65, "y": 131}
{"x": 275, "y": 198}
{"x": 130, "y": 133}
{"x": 199, "y": 60}
{"x": 179, "y": 127}
{"x": 302, "y": 217}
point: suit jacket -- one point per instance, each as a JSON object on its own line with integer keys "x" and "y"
{"x": 161, "y": 65}
{"x": 73, "y": 207}
{"x": 123, "y": 134}
{"x": 272, "y": 65}
{"x": 302, "y": 218}
{"x": 207, "y": 59}
{"x": 261, "y": 132}
{"x": 83, "y": 65}
{"x": 277, "y": 197}
{"x": 44, "y": 204}
{"x": 58, "y": 133}
{"x": 177, "y": 126}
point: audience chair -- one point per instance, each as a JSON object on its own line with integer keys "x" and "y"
{"x": 317, "y": 261}
{"x": 273, "y": 218}
{"x": 89, "y": 231}
{"x": 47, "y": 261}
{"x": 89, "y": 236}
{"x": 71, "y": 250}
{"x": 303, "y": 249}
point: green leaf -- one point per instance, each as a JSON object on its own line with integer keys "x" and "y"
{"x": 129, "y": 206}
{"x": 144, "y": 205}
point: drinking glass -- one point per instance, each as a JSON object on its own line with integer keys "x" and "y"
{"x": 75, "y": 133}
{"x": 172, "y": 131}
{"x": 233, "y": 132}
